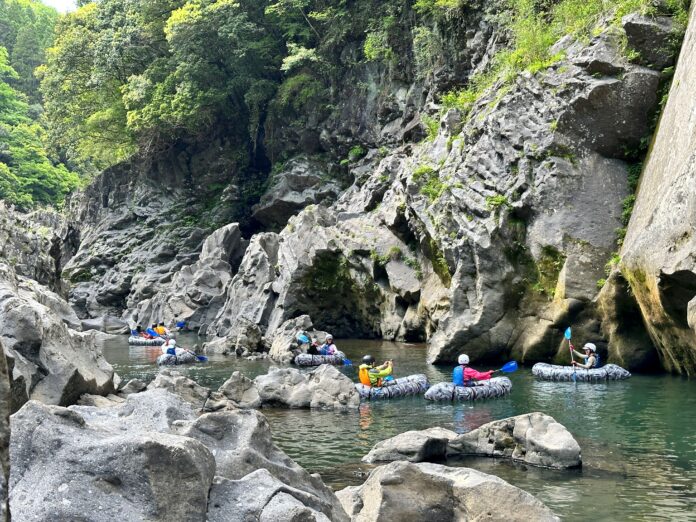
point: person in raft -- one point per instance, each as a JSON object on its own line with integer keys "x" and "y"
{"x": 161, "y": 329}
{"x": 328, "y": 348}
{"x": 152, "y": 331}
{"x": 171, "y": 348}
{"x": 590, "y": 356}
{"x": 464, "y": 375}
{"x": 375, "y": 376}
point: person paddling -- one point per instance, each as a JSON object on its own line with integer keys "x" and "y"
{"x": 375, "y": 376}
{"x": 464, "y": 375}
{"x": 590, "y": 356}
{"x": 328, "y": 348}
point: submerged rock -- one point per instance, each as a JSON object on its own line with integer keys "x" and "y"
{"x": 48, "y": 361}
{"x": 407, "y": 492}
{"x": 533, "y": 438}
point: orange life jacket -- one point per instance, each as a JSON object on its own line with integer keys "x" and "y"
{"x": 364, "y": 376}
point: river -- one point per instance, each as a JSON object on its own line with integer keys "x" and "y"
{"x": 638, "y": 437}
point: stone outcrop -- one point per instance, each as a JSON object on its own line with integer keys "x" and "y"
{"x": 324, "y": 387}
{"x": 196, "y": 291}
{"x": 408, "y": 492}
{"x": 4, "y": 437}
{"x": 413, "y": 446}
{"x": 37, "y": 245}
{"x": 301, "y": 182}
{"x": 657, "y": 257}
{"x": 183, "y": 387}
{"x": 152, "y": 458}
{"x": 533, "y": 438}
{"x": 47, "y": 360}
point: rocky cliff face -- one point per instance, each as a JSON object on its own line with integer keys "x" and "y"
{"x": 489, "y": 237}
{"x": 657, "y": 258}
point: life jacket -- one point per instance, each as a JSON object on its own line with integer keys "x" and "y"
{"x": 596, "y": 360}
{"x": 171, "y": 351}
{"x": 364, "y": 376}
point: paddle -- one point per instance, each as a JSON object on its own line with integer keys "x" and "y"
{"x": 201, "y": 358}
{"x": 568, "y": 335}
{"x": 509, "y": 367}
{"x": 347, "y": 362}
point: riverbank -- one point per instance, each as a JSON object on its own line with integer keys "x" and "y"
{"x": 639, "y": 443}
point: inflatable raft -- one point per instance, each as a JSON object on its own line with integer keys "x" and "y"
{"x": 305, "y": 359}
{"x": 411, "y": 385}
{"x": 552, "y": 372}
{"x": 174, "y": 360}
{"x": 447, "y": 391}
{"x": 141, "y": 341}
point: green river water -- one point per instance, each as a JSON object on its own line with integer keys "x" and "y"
{"x": 638, "y": 437}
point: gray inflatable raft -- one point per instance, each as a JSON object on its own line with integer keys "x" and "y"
{"x": 305, "y": 359}
{"x": 141, "y": 341}
{"x": 552, "y": 372}
{"x": 411, "y": 385}
{"x": 174, "y": 360}
{"x": 447, "y": 391}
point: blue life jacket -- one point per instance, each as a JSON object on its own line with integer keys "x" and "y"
{"x": 151, "y": 332}
{"x": 134, "y": 333}
{"x": 596, "y": 363}
{"x": 303, "y": 339}
{"x": 171, "y": 351}
{"x": 181, "y": 324}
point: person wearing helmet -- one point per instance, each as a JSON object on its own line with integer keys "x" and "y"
{"x": 169, "y": 347}
{"x": 464, "y": 375}
{"x": 590, "y": 356}
{"x": 374, "y": 376}
{"x": 328, "y": 348}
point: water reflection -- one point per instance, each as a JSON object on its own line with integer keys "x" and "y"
{"x": 638, "y": 436}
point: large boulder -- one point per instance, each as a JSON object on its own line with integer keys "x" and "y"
{"x": 413, "y": 446}
{"x": 48, "y": 361}
{"x": 242, "y": 444}
{"x": 411, "y": 492}
{"x": 533, "y": 438}
{"x": 152, "y": 458}
{"x": 241, "y": 391}
{"x": 63, "y": 468}
{"x": 284, "y": 344}
{"x": 324, "y": 387}
{"x": 657, "y": 256}
{"x": 178, "y": 384}
{"x": 652, "y": 37}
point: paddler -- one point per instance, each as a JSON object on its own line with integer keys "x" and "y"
{"x": 464, "y": 375}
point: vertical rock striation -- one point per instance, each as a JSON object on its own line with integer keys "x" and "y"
{"x": 658, "y": 254}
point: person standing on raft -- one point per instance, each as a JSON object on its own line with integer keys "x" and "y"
{"x": 463, "y": 375}
{"x": 590, "y": 356}
{"x": 375, "y": 376}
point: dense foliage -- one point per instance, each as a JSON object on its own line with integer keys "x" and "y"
{"x": 28, "y": 174}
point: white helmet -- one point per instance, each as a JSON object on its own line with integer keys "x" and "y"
{"x": 171, "y": 342}
{"x": 590, "y": 346}
{"x": 463, "y": 359}
{"x": 329, "y": 336}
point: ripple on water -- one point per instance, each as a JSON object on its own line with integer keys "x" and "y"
{"x": 638, "y": 436}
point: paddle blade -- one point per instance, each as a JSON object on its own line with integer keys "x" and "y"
{"x": 201, "y": 358}
{"x": 347, "y": 362}
{"x": 509, "y": 367}
{"x": 567, "y": 333}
